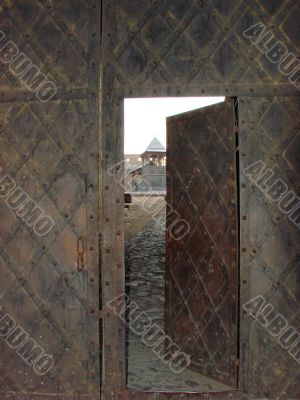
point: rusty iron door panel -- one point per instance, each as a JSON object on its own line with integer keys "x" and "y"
{"x": 176, "y": 48}
{"x": 199, "y": 44}
{"x": 49, "y": 286}
{"x": 270, "y": 242}
{"x": 202, "y": 268}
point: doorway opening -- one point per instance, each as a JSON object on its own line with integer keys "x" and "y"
{"x": 181, "y": 232}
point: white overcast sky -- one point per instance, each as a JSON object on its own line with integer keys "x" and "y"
{"x": 146, "y": 118}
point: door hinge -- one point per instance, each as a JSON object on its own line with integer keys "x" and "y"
{"x": 104, "y": 312}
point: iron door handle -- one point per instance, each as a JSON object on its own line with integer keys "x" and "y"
{"x": 80, "y": 253}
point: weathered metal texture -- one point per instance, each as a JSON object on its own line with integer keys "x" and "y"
{"x": 202, "y": 266}
{"x": 270, "y": 245}
{"x": 170, "y": 45}
{"x": 148, "y": 51}
{"x": 132, "y": 395}
{"x": 51, "y": 150}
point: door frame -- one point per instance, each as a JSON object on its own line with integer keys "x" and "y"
{"x": 113, "y": 271}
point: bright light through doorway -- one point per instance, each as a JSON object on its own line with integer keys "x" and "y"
{"x": 146, "y": 118}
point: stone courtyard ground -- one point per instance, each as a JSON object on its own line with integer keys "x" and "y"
{"x": 145, "y": 282}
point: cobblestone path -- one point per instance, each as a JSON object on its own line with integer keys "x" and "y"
{"x": 145, "y": 282}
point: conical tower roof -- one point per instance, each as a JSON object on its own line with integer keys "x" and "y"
{"x": 155, "y": 146}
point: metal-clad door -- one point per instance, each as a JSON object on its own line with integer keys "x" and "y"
{"x": 270, "y": 242}
{"x": 202, "y": 268}
{"x": 49, "y": 287}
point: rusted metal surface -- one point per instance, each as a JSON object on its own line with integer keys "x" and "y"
{"x": 200, "y": 45}
{"x": 50, "y": 149}
{"x": 269, "y": 132}
{"x": 45, "y": 397}
{"x": 132, "y": 395}
{"x": 202, "y": 268}
{"x": 149, "y": 51}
